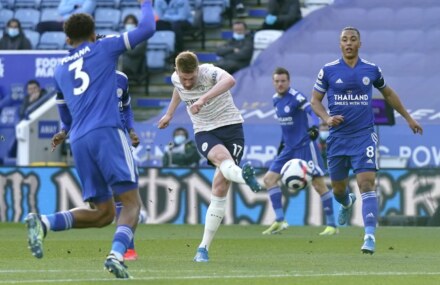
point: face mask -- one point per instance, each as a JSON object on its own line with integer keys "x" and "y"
{"x": 179, "y": 139}
{"x": 324, "y": 135}
{"x": 129, "y": 27}
{"x": 13, "y": 32}
{"x": 238, "y": 37}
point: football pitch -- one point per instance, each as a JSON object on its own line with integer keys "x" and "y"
{"x": 238, "y": 255}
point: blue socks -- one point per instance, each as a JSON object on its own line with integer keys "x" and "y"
{"x": 369, "y": 211}
{"x": 327, "y": 205}
{"x": 276, "y": 199}
{"x": 121, "y": 240}
{"x": 119, "y": 206}
{"x": 60, "y": 221}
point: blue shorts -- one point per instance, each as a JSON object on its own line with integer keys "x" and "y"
{"x": 358, "y": 153}
{"x": 310, "y": 153}
{"x": 232, "y": 137}
{"x": 105, "y": 164}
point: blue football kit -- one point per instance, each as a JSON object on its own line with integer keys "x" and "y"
{"x": 86, "y": 77}
{"x": 292, "y": 110}
{"x": 353, "y": 143}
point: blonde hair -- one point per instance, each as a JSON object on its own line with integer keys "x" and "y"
{"x": 187, "y": 62}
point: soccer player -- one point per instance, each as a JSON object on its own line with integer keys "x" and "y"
{"x": 87, "y": 79}
{"x": 298, "y": 139}
{"x": 217, "y": 124}
{"x": 127, "y": 122}
{"x": 348, "y": 83}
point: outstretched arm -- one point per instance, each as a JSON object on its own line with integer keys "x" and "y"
{"x": 165, "y": 120}
{"x": 391, "y": 97}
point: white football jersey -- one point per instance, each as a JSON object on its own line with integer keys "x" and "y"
{"x": 219, "y": 111}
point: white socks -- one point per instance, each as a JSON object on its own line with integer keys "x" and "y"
{"x": 231, "y": 171}
{"x": 214, "y": 217}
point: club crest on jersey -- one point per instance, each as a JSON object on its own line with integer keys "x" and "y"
{"x": 204, "y": 146}
{"x": 286, "y": 109}
{"x": 366, "y": 80}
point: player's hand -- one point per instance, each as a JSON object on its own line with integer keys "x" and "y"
{"x": 335, "y": 120}
{"x": 134, "y": 138}
{"x": 197, "y": 106}
{"x": 164, "y": 122}
{"x": 313, "y": 132}
{"x": 57, "y": 139}
{"x": 415, "y": 127}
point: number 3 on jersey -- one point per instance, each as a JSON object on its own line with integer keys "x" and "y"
{"x": 80, "y": 74}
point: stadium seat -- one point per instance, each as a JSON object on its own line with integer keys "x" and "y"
{"x": 107, "y": 18}
{"x": 35, "y": 4}
{"x": 432, "y": 40}
{"x": 386, "y": 16}
{"x": 411, "y": 64}
{"x": 262, "y": 39}
{"x": 52, "y": 40}
{"x": 386, "y": 61}
{"x": 164, "y": 37}
{"x": 128, "y": 3}
{"x": 327, "y": 38}
{"x": 320, "y": 59}
{"x": 431, "y": 18}
{"x": 303, "y": 83}
{"x": 108, "y": 3}
{"x": 5, "y": 16}
{"x": 107, "y": 32}
{"x": 7, "y": 4}
{"x": 157, "y": 55}
{"x": 380, "y": 41}
{"x": 49, "y": 14}
{"x": 410, "y": 17}
{"x": 49, "y": 4}
{"x": 212, "y": 12}
{"x": 353, "y": 17}
{"x": 33, "y": 36}
{"x": 28, "y": 17}
{"x": 410, "y": 40}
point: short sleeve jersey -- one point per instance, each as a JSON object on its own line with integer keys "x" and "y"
{"x": 291, "y": 114}
{"x": 219, "y": 111}
{"x": 349, "y": 93}
{"x": 87, "y": 80}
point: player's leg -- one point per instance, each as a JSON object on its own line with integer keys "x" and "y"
{"x": 94, "y": 190}
{"x": 314, "y": 159}
{"x": 214, "y": 215}
{"x": 121, "y": 175}
{"x": 365, "y": 167}
{"x": 223, "y": 147}
{"x": 270, "y": 182}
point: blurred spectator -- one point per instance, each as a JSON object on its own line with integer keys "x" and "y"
{"x": 67, "y": 8}
{"x": 34, "y": 93}
{"x": 282, "y": 14}
{"x": 13, "y": 37}
{"x": 181, "y": 151}
{"x": 174, "y": 15}
{"x": 237, "y": 52}
{"x": 133, "y": 62}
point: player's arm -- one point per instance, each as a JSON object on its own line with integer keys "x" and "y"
{"x": 391, "y": 97}
{"x": 319, "y": 110}
{"x": 223, "y": 84}
{"x": 66, "y": 121}
{"x": 175, "y": 101}
{"x": 145, "y": 28}
{"x": 314, "y": 129}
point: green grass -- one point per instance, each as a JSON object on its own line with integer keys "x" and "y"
{"x": 239, "y": 255}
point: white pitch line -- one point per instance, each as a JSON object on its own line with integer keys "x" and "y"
{"x": 225, "y": 277}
